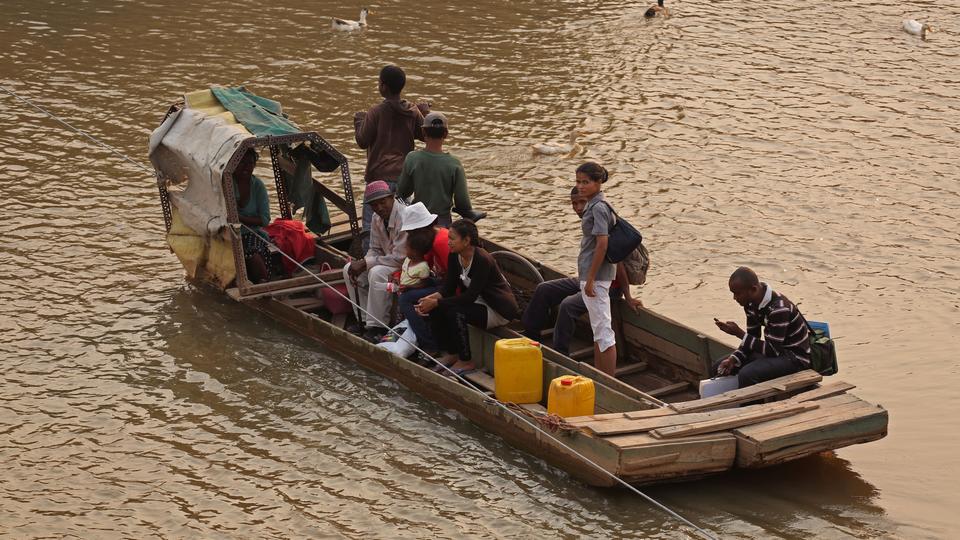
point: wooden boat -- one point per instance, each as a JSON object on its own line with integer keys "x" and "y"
{"x": 649, "y": 424}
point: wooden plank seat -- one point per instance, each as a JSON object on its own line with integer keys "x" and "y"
{"x": 668, "y": 389}
{"x": 768, "y": 389}
{"x": 630, "y": 369}
{"x": 486, "y": 383}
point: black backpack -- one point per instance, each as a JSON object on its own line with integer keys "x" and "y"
{"x": 823, "y": 352}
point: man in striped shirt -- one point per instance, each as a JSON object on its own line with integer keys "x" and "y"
{"x": 785, "y": 345}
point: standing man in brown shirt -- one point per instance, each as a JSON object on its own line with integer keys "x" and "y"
{"x": 386, "y": 132}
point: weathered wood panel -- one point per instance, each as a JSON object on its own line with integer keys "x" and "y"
{"x": 839, "y": 421}
{"x": 651, "y": 460}
{"x": 767, "y": 389}
{"x": 721, "y": 424}
{"x": 647, "y": 343}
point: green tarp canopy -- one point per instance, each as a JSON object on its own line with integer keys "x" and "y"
{"x": 262, "y": 117}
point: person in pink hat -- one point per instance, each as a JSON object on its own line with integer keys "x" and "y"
{"x": 367, "y": 278}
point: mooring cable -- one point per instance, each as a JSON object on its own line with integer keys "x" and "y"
{"x": 465, "y": 382}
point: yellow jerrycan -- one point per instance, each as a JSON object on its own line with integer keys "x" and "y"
{"x": 571, "y": 395}
{"x": 518, "y": 370}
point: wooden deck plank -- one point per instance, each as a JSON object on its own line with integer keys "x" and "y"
{"x": 669, "y": 389}
{"x": 823, "y": 391}
{"x": 722, "y": 424}
{"x": 857, "y": 425}
{"x": 827, "y": 411}
{"x": 772, "y": 388}
{"x": 840, "y": 421}
{"x": 621, "y": 427}
{"x": 481, "y": 379}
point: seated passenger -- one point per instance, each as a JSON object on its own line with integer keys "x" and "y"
{"x": 565, "y": 293}
{"x": 367, "y": 278}
{"x": 784, "y": 347}
{"x": 419, "y": 222}
{"x": 435, "y": 177}
{"x": 415, "y": 271}
{"x": 474, "y": 292}
{"x": 253, "y": 207}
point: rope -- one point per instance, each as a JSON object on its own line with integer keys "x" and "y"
{"x": 508, "y": 407}
{"x": 524, "y": 416}
{"x": 63, "y": 122}
{"x": 553, "y": 422}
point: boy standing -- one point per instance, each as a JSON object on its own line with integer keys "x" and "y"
{"x": 387, "y": 132}
{"x": 435, "y": 177}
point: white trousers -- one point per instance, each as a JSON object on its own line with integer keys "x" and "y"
{"x": 371, "y": 294}
{"x": 598, "y": 308}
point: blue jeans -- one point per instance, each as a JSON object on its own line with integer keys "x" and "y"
{"x": 368, "y": 217}
{"x": 419, "y": 325}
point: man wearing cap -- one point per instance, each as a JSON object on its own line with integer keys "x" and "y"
{"x": 367, "y": 278}
{"x": 434, "y": 177}
{"x": 417, "y": 220}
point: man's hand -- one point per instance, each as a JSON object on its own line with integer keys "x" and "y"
{"x": 357, "y": 267}
{"x": 635, "y": 304}
{"x": 730, "y": 327}
{"x": 424, "y": 107}
{"x": 588, "y": 288}
{"x": 726, "y": 366}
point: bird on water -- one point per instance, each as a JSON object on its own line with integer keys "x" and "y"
{"x": 345, "y": 25}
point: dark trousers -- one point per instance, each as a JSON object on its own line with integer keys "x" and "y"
{"x": 450, "y": 327}
{"x": 759, "y": 368}
{"x": 407, "y": 305}
{"x": 565, "y": 295}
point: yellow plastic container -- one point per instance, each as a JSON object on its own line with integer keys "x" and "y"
{"x": 518, "y": 370}
{"x": 571, "y": 395}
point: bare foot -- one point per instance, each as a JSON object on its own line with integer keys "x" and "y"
{"x": 449, "y": 359}
{"x": 463, "y": 366}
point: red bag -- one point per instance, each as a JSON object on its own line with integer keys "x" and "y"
{"x": 335, "y": 303}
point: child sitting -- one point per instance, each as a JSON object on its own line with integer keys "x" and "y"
{"x": 415, "y": 272}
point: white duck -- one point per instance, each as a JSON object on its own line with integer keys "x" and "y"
{"x": 570, "y": 149}
{"x": 916, "y": 28}
{"x": 344, "y": 25}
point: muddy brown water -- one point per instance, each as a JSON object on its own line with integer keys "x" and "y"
{"x": 816, "y": 143}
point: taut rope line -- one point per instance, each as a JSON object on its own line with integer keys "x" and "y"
{"x": 500, "y": 404}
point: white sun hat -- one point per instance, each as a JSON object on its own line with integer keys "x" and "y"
{"x": 416, "y": 216}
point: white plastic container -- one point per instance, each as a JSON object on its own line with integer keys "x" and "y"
{"x": 717, "y": 385}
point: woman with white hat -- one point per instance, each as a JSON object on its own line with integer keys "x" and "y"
{"x": 418, "y": 221}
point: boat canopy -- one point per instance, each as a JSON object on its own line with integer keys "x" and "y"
{"x": 197, "y": 139}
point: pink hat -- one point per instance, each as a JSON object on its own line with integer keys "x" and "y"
{"x": 377, "y": 189}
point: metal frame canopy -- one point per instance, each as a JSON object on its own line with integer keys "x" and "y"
{"x": 200, "y": 149}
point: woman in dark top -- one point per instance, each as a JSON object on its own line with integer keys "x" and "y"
{"x": 473, "y": 292}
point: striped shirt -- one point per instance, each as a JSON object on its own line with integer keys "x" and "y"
{"x": 784, "y": 329}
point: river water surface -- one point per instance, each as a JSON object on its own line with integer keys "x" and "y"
{"x": 817, "y": 144}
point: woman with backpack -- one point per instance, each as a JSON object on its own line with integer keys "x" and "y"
{"x": 593, "y": 270}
